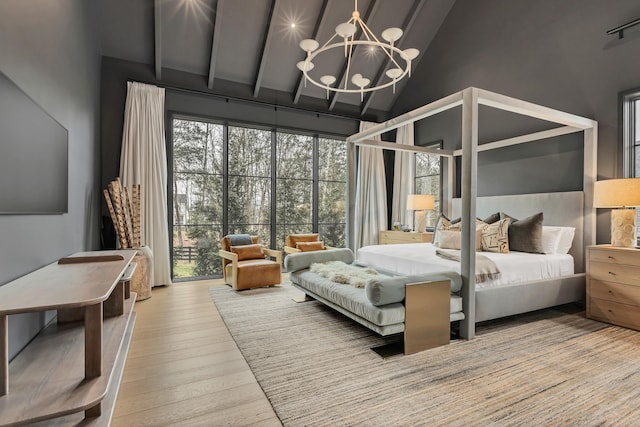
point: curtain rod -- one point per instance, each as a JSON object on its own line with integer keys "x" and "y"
{"x": 236, "y": 99}
{"x": 621, "y": 28}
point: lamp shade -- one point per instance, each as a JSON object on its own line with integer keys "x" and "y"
{"x": 616, "y": 193}
{"x": 419, "y": 202}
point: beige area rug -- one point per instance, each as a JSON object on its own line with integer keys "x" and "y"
{"x": 550, "y": 368}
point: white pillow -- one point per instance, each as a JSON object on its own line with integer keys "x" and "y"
{"x": 452, "y": 239}
{"x": 449, "y": 239}
{"x": 550, "y": 239}
{"x": 557, "y": 240}
{"x": 566, "y": 240}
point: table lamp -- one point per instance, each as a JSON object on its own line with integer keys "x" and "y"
{"x": 623, "y": 195}
{"x": 419, "y": 203}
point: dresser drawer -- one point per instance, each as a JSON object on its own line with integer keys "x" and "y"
{"x": 616, "y": 313}
{"x": 609, "y": 256}
{"x": 616, "y": 292}
{"x": 611, "y": 272}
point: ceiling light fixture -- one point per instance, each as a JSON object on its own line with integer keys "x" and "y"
{"x": 347, "y": 31}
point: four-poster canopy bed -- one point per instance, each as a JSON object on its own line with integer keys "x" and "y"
{"x": 574, "y": 209}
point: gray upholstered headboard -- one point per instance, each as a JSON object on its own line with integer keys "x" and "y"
{"x": 561, "y": 209}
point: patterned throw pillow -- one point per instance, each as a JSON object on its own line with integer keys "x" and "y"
{"x": 495, "y": 237}
{"x": 444, "y": 224}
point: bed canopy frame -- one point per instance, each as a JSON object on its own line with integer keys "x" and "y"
{"x": 470, "y": 99}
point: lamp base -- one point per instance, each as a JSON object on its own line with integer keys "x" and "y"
{"x": 623, "y": 228}
{"x": 421, "y": 221}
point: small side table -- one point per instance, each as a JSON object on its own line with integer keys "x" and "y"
{"x": 391, "y": 237}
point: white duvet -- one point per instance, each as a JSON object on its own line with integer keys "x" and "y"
{"x": 421, "y": 258}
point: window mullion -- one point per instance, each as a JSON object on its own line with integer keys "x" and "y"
{"x": 316, "y": 185}
{"x": 225, "y": 179}
{"x": 274, "y": 194}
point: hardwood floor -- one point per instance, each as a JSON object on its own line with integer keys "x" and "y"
{"x": 184, "y": 368}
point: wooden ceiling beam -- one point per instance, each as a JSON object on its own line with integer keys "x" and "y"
{"x": 408, "y": 23}
{"x": 215, "y": 42}
{"x": 319, "y": 23}
{"x": 265, "y": 47}
{"x": 157, "y": 34}
{"x": 373, "y": 6}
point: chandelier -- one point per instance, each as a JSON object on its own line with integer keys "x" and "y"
{"x": 347, "y": 31}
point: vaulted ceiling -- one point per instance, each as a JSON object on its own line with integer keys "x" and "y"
{"x": 249, "y": 48}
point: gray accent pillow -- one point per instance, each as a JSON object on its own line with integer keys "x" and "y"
{"x": 240, "y": 239}
{"x": 492, "y": 218}
{"x": 302, "y": 260}
{"x": 525, "y": 235}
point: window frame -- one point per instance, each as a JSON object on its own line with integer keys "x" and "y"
{"x": 431, "y": 144}
{"x": 628, "y": 116}
{"x": 629, "y": 124}
{"x": 274, "y": 130}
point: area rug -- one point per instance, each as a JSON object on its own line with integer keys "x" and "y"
{"x": 547, "y": 368}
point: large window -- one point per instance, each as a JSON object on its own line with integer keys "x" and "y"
{"x": 428, "y": 178}
{"x": 238, "y": 179}
{"x": 631, "y": 135}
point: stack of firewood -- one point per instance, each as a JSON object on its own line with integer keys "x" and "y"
{"x": 125, "y": 212}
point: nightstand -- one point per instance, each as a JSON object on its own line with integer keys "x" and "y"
{"x": 613, "y": 285}
{"x": 391, "y": 237}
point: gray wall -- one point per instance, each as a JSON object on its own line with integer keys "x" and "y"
{"x": 49, "y": 49}
{"x": 550, "y": 52}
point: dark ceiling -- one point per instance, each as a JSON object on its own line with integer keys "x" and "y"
{"x": 249, "y": 48}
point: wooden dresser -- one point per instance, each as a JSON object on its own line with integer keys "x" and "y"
{"x": 613, "y": 285}
{"x": 390, "y": 237}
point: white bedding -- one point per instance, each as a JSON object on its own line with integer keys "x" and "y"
{"x": 421, "y": 258}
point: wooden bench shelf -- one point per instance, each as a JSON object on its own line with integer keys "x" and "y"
{"x": 69, "y": 367}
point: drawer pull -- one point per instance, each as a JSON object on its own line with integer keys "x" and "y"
{"x": 610, "y": 291}
{"x": 612, "y": 273}
{"x": 610, "y": 257}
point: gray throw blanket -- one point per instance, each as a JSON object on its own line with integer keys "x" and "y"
{"x": 239, "y": 239}
{"x": 486, "y": 269}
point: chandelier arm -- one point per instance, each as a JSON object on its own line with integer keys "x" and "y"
{"x": 329, "y": 41}
{"x": 365, "y": 30}
{"x": 346, "y": 78}
{"x": 340, "y": 90}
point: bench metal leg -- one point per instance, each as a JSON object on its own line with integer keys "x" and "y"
{"x": 426, "y": 322}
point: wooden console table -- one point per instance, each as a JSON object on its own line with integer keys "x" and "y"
{"x": 70, "y": 366}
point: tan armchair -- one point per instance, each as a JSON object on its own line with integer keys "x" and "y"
{"x": 295, "y": 243}
{"x": 245, "y": 264}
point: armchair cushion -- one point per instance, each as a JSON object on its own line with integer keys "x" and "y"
{"x": 254, "y": 273}
{"x": 293, "y": 239}
{"x": 310, "y": 246}
{"x": 245, "y": 252}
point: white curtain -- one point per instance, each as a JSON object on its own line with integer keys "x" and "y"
{"x": 403, "y": 177}
{"x": 144, "y": 161}
{"x": 370, "y": 215}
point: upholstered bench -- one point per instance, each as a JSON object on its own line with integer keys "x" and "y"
{"x": 421, "y": 307}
